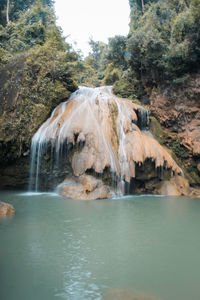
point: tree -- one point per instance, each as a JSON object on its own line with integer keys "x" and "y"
{"x": 7, "y": 12}
{"x": 116, "y": 51}
{"x": 10, "y": 9}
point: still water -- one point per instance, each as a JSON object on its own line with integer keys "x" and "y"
{"x": 57, "y": 248}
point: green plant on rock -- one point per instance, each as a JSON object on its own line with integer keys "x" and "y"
{"x": 179, "y": 149}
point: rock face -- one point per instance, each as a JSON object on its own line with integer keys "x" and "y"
{"x": 99, "y": 134}
{"x": 178, "y": 111}
{"x": 6, "y": 209}
{"x": 176, "y": 186}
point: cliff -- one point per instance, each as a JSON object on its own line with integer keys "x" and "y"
{"x": 177, "y": 108}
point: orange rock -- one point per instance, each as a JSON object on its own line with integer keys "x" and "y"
{"x": 108, "y": 128}
{"x": 85, "y": 187}
{"x": 176, "y": 186}
{"x": 6, "y": 209}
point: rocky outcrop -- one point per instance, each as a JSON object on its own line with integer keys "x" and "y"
{"x": 99, "y": 134}
{"x": 178, "y": 111}
{"x": 85, "y": 187}
{"x": 6, "y": 209}
{"x": 176, "y": 186}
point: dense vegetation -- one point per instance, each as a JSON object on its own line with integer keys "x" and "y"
{"x": 37, "y": 71}
{"x": 163, "y": 46}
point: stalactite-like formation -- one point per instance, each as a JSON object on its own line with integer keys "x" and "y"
{"x": 107, "y": 132}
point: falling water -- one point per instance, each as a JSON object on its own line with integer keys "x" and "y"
{"x": 103, "y": 132}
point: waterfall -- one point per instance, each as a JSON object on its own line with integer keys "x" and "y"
{"x": 97, "y": 133}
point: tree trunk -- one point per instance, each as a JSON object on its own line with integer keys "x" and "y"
{"x": 7, "y": 12}
{"x": 142, "y": 2}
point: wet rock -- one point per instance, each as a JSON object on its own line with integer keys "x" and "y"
{"x": 86, "y": 187}
{"x": 176, "y": 186}
{"x": 104, "y": 132}
{"x": 6, "y": 209}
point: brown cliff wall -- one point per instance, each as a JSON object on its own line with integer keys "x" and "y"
{"x": 178, "y": 111}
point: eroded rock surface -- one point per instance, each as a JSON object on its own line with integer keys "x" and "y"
{"x": 6, "y": 209}
{"x": 100, "y": 134}
{"x": 85, "y": 187}
{"x": 178, "y": 111}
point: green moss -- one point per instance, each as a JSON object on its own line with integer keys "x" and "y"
{"x": 157, "y": 130}
{"x": 192, "y": 170}
{"x": 179, "y": 149}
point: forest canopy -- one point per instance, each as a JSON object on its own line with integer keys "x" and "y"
{"x": 162, "y": 47}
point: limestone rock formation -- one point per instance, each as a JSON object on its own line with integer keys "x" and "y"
{"x": 85, "y": 187}
{"x": 176, "y": 186}
{"x": 6, "y": 209}
{"x": 97, "y": 133}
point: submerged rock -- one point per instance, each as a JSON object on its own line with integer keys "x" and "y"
{"x": 6, "y": 209}
{"x": 122, "y": 294}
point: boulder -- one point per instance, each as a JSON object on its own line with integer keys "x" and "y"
{"x": 6, "y": 209}
{"x": 176, "y": 186}
{"x": 86, "y": 187}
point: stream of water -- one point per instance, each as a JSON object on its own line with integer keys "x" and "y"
{"x": 57, "y": 248}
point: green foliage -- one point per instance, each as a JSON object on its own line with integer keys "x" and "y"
{"x": 91, "y": 72}
{"x": 5, "y": 56}
{"x": 31, "y": 29}
{"x": 112, "y": 74}
{"x": 16, "y": 7}
{"x": 38, "y": 71}
{"x": 116, "y": 51}
{"x": 33, "y": 86}
{"x": 163, "y": 42}
{"x": 105, "y": 63}
{"x": 179, "y": 149}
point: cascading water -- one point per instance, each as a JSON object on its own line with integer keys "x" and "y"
{"x": 97, "y": 133}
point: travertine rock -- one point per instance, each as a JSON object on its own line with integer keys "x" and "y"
{"x": 6, "y": 209}
{"x": 85, "y": 187}
{"x": 106, "y": 135}
{"x": 108, "y": 128}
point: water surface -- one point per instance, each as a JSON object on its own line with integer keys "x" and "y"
{"x": 57, "y": 248}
